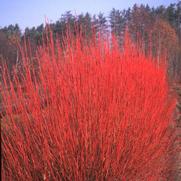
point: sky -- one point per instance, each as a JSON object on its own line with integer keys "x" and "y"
{"x": 29, "y": 13}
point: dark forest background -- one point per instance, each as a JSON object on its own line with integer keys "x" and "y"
{"x": 159, "y": 27}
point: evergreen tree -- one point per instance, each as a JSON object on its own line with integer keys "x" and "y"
{"x": 117, "y": 24}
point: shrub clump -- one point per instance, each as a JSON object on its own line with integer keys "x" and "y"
{"x": 86, "y": 112}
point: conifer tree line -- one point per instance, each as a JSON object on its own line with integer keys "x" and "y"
{"x": 158, "y": 27}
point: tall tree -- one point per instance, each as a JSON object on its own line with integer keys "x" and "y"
{"x": 165, "y": 40}
{"x": 100, "y": 23}
{"x": 117, "y": 24}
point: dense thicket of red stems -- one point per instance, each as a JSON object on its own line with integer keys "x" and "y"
{"x": 86, "y": 111}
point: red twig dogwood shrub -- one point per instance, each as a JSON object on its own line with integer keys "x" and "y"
{"x": 87, "y": 111}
